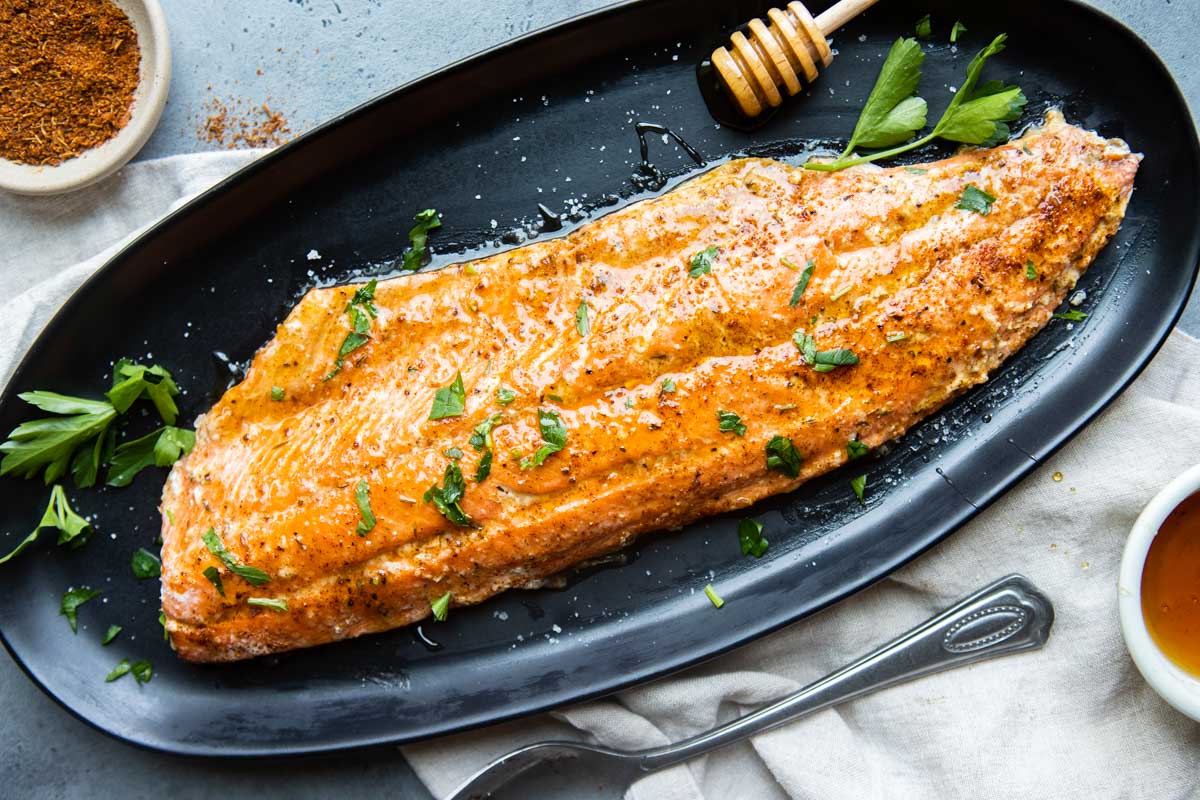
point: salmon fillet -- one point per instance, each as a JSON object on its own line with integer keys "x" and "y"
{"x": 669, "y": 347}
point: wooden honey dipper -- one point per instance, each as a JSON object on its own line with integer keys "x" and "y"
{"x": 754, "y": 67}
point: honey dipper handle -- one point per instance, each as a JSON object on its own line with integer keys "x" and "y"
{"x": 836, "y": 16}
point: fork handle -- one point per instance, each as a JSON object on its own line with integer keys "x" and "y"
{"x": 1008, "y": 616}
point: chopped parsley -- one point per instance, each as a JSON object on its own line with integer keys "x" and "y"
{"x": 450, "y": 401}
{"x": 822, "y": 360}
{"x": 702, "y": 262}
{"x": 782, "y": 456}
{"x": 362, "y": 496}
{"x": 161, "y": 448}
{"x": 454, "y": 452}
{"x": 505, "y": 396}
{"x": 859, "y": 485}
{"x": 277, "y": 393}
{"x": 273, "y": 603}
{"x": 554, "y": 398}
{"x": 214, "y": 575}
{"x": 72, "y": 528}
{"x": 1074, "y": 315}
{"x": 841, "y": 292}
{"x": 668, "y": 386}
{"x": 1031, "y": 272}
{"x": 956, "y": 31}
{"x": 71, "y": 602}
{"x": 447, "y": 497}
{"x": 441, "y": 607}
{"x": 132, "y": 382}
{"x": 897, "y": 336}
{"x": 554, "y": 439}
{"x": 142, "y": 671}
{"x": 729, "y": 422}
{"x": 361, "y": 309}
{"x": 252, "y": 575}
{"x": 916, "y": 170}
{"x": 582, "y": 323}
{"x": 112, "y": 633}
{"x": 481, "y": 439}
{"x": 924, "y": 27}
{"x": 802, "y": 284}
{"x": 856, "y": 449}
{"x": 975, "y": 199}
{"x": 485, "y": 466}
{"x": 751, "y": 539}
{"x": 418, "y": 238}
{"x": 713, "y": 596}
{"x": 119, "y": 671}
{"x": 145, "y": 564}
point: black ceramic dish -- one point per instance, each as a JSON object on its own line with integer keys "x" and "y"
{"x": 549, "y": 119}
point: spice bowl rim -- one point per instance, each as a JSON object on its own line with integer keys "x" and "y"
{"x": 149, "y": 99}
{"x": 1173, "y": 684}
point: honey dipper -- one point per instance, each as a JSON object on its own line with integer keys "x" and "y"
{"x": 776, "y": 55}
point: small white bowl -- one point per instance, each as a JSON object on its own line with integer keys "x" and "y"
{"x": 148, "y": 101}
{"x": 1177, "y": 687}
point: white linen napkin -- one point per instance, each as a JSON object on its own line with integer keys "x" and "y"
{"x": 1074, "y": 720}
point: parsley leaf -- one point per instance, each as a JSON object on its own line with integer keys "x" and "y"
{"x": 975, "y": 199}
{"x": 859, "y": 485}
{"x": 802, "y": 284}
{"x": 119, "y": 671}
{"x": 554, "y": 439}
{"x": 145, "y": 564}
{"x": 712, "y": 595}
{"x": 454, "y": 452}
{"x": 924, "y": 28}
{"x": 729, "y": 422}
{"x": 958, "y": 29}
{"x": 252, "y": 575}
{"x": 450, "y": 401}
{"x": 668, "y": 386}
{"x": 1031, "y": 272}
{"x": 112, "y": 633}
{"x": 361, "y": 309}
{"x": 898, "y": 336}
{"x": 892, "y": 113}
{"x": 856, "y": 449}
{"x": 418, "y": 237}
{"x": 782, "y": 456}
{"x": 822, "y": 360}
{"x": 702, "y": 262}
{"x": 273, "y": 603}
{"x": 50, "y": 442}
{"x": 71, "y": 527}
{"x": 505, "y": 396}
{"x": 142, "y": 671}
{"x": 485, "y": 466}
{"x": 1074, "y": 315}
{"x": 751, "y": 539}
{"x": 981, "y": 116}
{"x": 362, "y": 496}
{"x": 133, "y": 381}
{"x": 214, "y": 575}
{"x": 582, "y": 323}
{"x": 71, "y": 602}
{"x": 277, "y": 393}
{"x": 481, "y": 434}
{"x": 446, "y": 498}
{"x": 162, "y": 448}
{"x": 441, "y": 607}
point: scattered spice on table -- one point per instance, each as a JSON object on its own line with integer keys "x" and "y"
{"x": 68, "y": 71}
{"x": 235, "y": 124}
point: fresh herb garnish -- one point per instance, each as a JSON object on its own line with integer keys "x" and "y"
{"x": 841, "y": 292}
{"x": 505, "y": 396}
{"x": 1074, "y": 315}
{"x": 582, "y": 323}
{"x": 112, "y": 633}
{"x": 892, "y": 114}
{"x": 822, "y": 360}
{"x": 145, "y": 564}
{"x": 142, "y": 671}
{"x": 441, "y": 607}
{"x": 702, "y": 262}
{"x": 481, "y": 434}
{"x": 252, "y": 575}
{"x": 751, "y": 539}
{"x": 72, "y": 528}
{"x": 485, "y": 466}
{"x": 119, "y": 671}
{"x": 273, "y": 603}
{"x": 856, "y": 449}
{"x": 668, "y": 386}
{"x": 1031, "y": 272}
{"x": 713, "y": 596}
{"x": 554, "y": 439}
{"x": 975, "y": 199}
{"x": 133, "y": 381}
{"x": 859, "y": 485}
{"x": 418, "y": 238}
{"x": 898, "y": 336}
{"x": 958, "y": 29}
{"x": 924, "y": 27}
{"x": 277, "y": 393}
{"x": 729, "y": 422}
{"x": 361, "y": 309}
{"x": 50, "y": 442}
{"x": 162, "y": 448}
{"x": 782, "y": 456}
{"x": 71, "y": 602}
{"x": 916, "y": 170}
{"x": 454, "y": 451}
{"x": 446, "y": 498}
{"x": 802, "y": 284}
{"x": 554, "y": 398}
{"x": 450, "y": 401}
{"x": 362, "y": 496}
{"x": 214, "y": 575}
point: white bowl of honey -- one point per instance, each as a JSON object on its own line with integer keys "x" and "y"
{"x": 1159, "y": 593}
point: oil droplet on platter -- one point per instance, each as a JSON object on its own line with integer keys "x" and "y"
{"x": 1058, "y": 476}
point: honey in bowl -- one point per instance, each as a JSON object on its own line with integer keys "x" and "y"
{"x": 1171, "y": 586}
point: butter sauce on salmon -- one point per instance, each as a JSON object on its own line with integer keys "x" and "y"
{"x": 549, "y": 362}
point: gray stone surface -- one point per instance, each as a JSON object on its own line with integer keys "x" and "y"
{"x": 311, "y": 59}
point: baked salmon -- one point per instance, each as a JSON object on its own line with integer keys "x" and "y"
{"x": 444, "y": 436}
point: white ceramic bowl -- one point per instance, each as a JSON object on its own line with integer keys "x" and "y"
{"x": 148, "y": 101}
{"x": 1174, "y": 685}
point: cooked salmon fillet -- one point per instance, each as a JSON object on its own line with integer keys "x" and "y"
{"x": 927, "y": 296}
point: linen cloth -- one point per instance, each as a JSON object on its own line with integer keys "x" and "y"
{"x": 1074, "y": 720}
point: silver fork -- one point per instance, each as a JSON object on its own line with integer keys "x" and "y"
{"x": 1008, "y": 616}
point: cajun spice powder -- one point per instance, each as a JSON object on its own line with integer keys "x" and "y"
{"x": 68, "y": 71}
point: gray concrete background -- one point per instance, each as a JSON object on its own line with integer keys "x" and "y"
{"x": 309, "y": 60}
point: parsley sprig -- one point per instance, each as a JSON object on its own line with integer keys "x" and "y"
{"x": 362, "y": 310}
{"x": 252, "y": 575}
{"x": 72, "y": 528}
{"x": 554, "y": 439}
{"x": 418, "y": 238}
{"x": 893, "y": 114}
{"x": 447, "y": 497}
